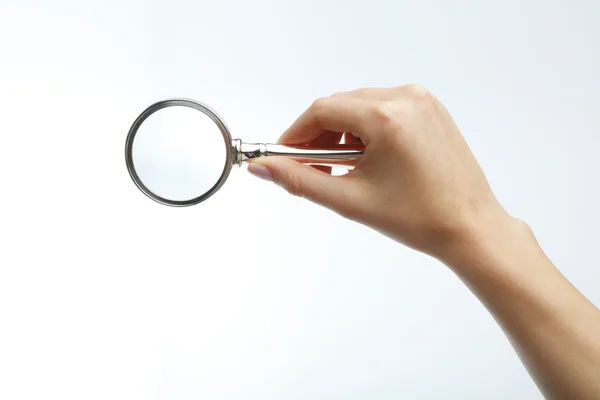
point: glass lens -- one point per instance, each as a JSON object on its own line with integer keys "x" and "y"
{"x": 179, "y": 153}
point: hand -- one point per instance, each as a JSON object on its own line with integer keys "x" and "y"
{"x": 418, "y": 181}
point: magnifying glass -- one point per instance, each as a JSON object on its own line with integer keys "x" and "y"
{"x": 179, "y": 152}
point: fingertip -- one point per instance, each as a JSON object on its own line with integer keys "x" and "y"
{"x": 260, "y": 171}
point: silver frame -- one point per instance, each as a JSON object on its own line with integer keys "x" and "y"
{"x": 229, "y": 159}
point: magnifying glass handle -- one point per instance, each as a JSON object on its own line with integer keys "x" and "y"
{"x": 336, "y": 155}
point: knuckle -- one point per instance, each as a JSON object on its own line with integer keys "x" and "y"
{"x": 293, "y": 185}
{"x": 318, "y": 107}
{"x": 419, "y": 93}
{"x": 384, "y": 113}
{"x": 319, "y": 104}
{"x": 340, "y": 94}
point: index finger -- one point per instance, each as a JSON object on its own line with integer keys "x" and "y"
{"x": 334, "y": 114}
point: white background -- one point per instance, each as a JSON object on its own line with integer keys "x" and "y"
{"x": 254, "y": 294}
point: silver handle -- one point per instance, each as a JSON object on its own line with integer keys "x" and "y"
{"x": 338, "y": 155}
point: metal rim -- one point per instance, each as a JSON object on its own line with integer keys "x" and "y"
{"x": 170, "y": 103}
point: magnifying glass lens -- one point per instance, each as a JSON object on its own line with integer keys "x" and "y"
{"x": 179, "y": 153}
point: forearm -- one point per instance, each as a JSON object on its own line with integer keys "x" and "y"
{"x": 552, "y": 326}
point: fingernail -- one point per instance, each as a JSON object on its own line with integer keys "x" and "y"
{"x": 260, "y": 171}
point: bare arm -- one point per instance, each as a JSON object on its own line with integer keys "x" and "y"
{"x": 419, "y": 183}
{"x": 552, "y": 326}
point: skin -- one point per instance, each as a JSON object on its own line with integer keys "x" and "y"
{"x": 419, "y": 184}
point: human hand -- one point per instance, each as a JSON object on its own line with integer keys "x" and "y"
{"x": 417, "y": 182}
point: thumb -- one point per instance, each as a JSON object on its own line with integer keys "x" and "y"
{"x": 333, "y": 192}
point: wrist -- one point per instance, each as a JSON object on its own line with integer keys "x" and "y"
{"x": 485, "y": 241}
